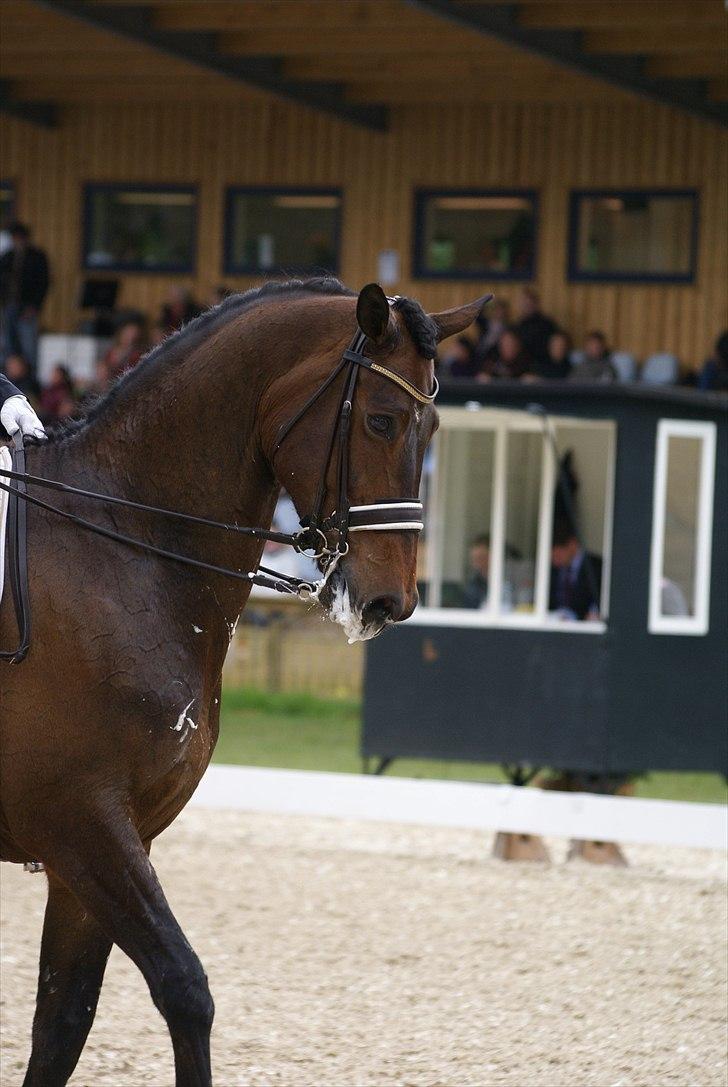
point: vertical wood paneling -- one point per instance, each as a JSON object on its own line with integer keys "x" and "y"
{"x": 551, "y": 147}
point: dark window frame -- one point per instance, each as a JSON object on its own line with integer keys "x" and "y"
{"x": 419, "y": 270}
{"x": 8, "y": 185}
{"x": 576, "y": 275}
{"x": 90, "y": 188}
{"x": 230, "y": 268}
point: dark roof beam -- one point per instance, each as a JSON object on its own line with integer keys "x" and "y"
{"x": 566, "y": 47}
{"x": 42, "y": 114}
{"x": 265, "y": 73}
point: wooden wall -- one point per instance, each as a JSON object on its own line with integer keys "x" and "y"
{"x": 621, "y": 141}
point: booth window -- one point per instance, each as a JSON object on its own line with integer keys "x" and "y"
{"x": 503, "y": 544}
{"x": 633, "y": 236}
{"x": 7, "y": 203}
{"x": 271, "y": 231}
{"x": 139, "y": 228}
{"x": 474, "y": 234}
{"x": 681, "y": 528}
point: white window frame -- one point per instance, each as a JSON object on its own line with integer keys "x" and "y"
{"x": 699, "y": 623}
{"x": 501, "y": 422}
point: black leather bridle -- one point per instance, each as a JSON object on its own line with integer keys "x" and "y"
{"x": 388, "y": 515}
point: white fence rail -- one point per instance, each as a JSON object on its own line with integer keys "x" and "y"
{"x": 466, "y": 805}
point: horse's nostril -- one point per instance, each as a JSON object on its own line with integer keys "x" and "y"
{"x": 384, "y": 609}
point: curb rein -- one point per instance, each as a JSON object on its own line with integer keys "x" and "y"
{"x": 395, "y": 515}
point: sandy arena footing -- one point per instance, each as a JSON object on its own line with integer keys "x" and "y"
{"x": 344, "y": 954}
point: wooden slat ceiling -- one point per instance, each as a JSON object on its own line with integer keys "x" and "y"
{"x": 355, "y": 58}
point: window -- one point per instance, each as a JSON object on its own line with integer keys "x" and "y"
{"x": 682, "y": 528}
{"x": 282, "y": 231}
{"x": 499, "y": 548}
{"x": 474, "y": 234}
{"x": 139, "y": 228}
{"x": 634, "y": 235}
{"x": 7, "y": 204}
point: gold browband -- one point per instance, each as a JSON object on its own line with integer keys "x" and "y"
{"x": 424, "y": 398}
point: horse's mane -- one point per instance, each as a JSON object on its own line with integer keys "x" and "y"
{"x": 421, "y": 328}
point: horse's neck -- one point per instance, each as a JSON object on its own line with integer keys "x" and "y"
{"x": 185, "y": 436}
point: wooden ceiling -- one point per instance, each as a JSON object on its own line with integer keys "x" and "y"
{"x": 356, "y": 58}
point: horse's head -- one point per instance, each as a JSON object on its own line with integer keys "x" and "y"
{"x": 391, "y": 424}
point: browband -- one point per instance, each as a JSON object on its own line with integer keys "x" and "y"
{"x": 370, "y": 364}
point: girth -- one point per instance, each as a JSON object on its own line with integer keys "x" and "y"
{"x": 389, "y": 515}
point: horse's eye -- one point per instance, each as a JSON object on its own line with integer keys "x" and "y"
{"x": 381, "y": 425}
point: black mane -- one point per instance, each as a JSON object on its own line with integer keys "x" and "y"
{"x": 421, "y": 328}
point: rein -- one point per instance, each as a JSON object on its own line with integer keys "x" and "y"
{"x": 389, "y": 515}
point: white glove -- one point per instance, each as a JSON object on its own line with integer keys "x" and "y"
{"x": 17, "y": 414}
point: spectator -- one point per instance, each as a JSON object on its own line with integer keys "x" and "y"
{"x": 508, "y": 361}
{"x": 597, "y": 367}
{"x": 534, "y": 327}
{"x": 557, "y": 365}
{"x": 179, "y": 309}
{"x": 714, "y": 375}
{"x": 491, "y": 328}
{"x": 58, "y": 398}
{"x": 24, "y": 280}
{"x": 125, "y": 352}
{"x": 576, "y": 576}
{"x": 18, "y": 371}
{"x": 475, "y": 590}
{"x": 459, "y": 360}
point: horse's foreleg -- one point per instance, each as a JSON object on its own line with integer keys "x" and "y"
{"x": 110, "y": 872}
{"x": 73, "y": 957}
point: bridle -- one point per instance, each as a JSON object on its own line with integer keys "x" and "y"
{"x": 388, "y": 515}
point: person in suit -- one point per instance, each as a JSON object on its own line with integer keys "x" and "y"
{"x": 576, "y": 576}
{"x": 24, "y": 282}
{"x": 16, "y": 412}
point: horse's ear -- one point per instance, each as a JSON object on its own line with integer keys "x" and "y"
{"x": 455, "y": 320}
{"x": 372, "y": 312}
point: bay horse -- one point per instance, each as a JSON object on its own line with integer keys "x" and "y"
{"x": 111, "y": 720}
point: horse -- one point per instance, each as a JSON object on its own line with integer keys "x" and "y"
{"x": 111, "y": 720}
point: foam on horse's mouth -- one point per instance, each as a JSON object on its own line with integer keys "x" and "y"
{"x": 343, "y": 612}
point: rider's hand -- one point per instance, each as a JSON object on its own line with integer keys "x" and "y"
{"x": 17, "y": 414}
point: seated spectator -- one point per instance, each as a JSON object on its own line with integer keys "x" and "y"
{"x": 714, "y": 375}
{"x": 508, "y": 361}
{"x": 125, "y": 352}
{"x": 58, "y": 399}
{"x": 178, "y": 310}
{"x": 475, "y": 590}
{"x": 17, "y": 370}
{"x": 597, "y": 367}
{"x": 557, "y": 365}
{"x": 533, "y": 326}
{"x": 459, "y": 359}
{"x": 491, "y": 325}
{"x": 576, "y": 576}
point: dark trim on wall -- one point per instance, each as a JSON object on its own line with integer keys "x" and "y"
{"x": 232, "y": 269}
{"x": 576, "y": 275}
{"x": 565, "y": 47}
{"x": 91, "y": 187}
{"x": 200, "y": 49}
{"x": 420, "y": 271}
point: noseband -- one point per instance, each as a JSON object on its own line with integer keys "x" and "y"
{"x": 388, "y": 515}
